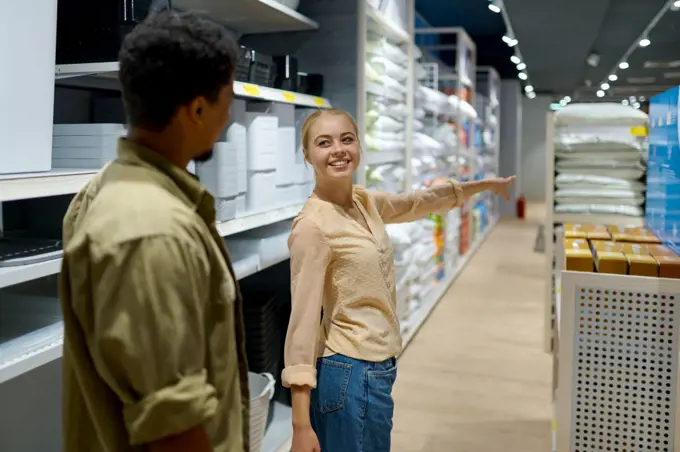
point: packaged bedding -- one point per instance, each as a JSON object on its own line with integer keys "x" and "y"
{"x": 605, "y": 113}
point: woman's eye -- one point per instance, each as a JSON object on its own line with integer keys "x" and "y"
{"x": 348, "y": 140}
{"x": 323, "y": 143}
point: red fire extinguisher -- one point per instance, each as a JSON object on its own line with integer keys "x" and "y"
{"x": 521, "y": 206}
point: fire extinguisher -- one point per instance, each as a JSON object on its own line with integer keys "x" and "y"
{"x": 521, "y": 206}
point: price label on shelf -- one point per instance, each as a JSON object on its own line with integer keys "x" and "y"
{"x": 319, "y": 101}
{"x": 288, "y": 97}
{"x": 251, "y": 90}
{"x": 639, "y": 131}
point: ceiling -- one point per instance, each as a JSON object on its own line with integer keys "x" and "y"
{"x": 557, "y": 36}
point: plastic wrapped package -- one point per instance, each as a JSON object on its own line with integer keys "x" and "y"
{"x": 606, "y": 113}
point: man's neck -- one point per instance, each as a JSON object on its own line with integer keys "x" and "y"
{"x": 164, "y": 143}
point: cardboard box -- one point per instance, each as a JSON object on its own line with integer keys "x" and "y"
{"x": 642, "y": 265}
{"x": 613, "y": 262}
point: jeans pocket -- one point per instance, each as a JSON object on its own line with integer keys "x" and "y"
{"x": 332, "y": 383}
{"x": 382, "y": 380}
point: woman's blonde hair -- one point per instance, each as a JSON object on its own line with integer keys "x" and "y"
{"x": 311, "y": 119}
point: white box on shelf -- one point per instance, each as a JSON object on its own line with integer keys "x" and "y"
{"x": 285, "y": 166}
{"x": 261, "y": 193}
{"x": 226, "y": 208}
{"x": 27, "y": 51}
{"x": 241, "y": 204}
{"x": 89, "y": 129}
{"x": 285, "y": 112}
{"x": 287, "y": 194}
{"x": 263, "y": 137}
{"x": 219, "y": 175}
{"x": 94, "y": 163}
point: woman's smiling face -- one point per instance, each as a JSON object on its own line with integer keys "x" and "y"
{"x": 333, "y": 146}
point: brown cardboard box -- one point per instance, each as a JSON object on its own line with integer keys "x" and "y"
{"x": 642, "y": 265}
{"x": 596, "y": 232}
{"x": 634, "y": 248}
{"x": 605, "y": 245}
{"x": 632, "y": 234}
{"x": 576, "y": 244}
{"x": 578, "y": 260}
{"x": 669, "y": 266}
{"x": 573, "y": 231}
{"x": 660, "y": 250}
{"x": 614, "y": 262}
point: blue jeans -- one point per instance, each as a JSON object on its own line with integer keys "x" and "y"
{"x": 352, "y": 406}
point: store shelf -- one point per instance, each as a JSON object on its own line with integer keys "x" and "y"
{"x": 16, "y": 275}
{"x": 39, "y": 185}
{"x": 381, "y": 158}
{"x": 249, "y": 90}
{"x": 45, "y": 344}
{"x": 251, "y": 16}
{"x": 419, "y": 317}
{"x": 279, "y": 434}
{"x": 597, "y": 219}
{"x": 390, "y": 29}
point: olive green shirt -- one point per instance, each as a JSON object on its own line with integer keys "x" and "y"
{"x": 154, "y": 341}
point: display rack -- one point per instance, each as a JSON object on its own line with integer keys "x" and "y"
{"x": 488, "y": 133}
{"x": 554, "y": 219}
{"x": 617, "y": 368}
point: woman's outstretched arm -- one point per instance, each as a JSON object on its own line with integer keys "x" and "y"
{"x": 402, "y": 208}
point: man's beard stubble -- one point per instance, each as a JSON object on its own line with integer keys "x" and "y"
{"x": 206, "y": 156}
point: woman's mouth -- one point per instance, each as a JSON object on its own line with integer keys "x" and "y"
{"x": 339, "y": 163}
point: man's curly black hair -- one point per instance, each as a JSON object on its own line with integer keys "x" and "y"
{"x": 170, "y": 59}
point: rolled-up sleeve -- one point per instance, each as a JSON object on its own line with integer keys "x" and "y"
{"x": 402, "y": 208}
{"x": 309, "y": 259}
{"x": 146, "y": 335}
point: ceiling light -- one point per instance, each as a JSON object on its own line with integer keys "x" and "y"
{"x": 623, "y": 65}
{"x": 644, "y": 42}
{"x": 563, "y": 103}
{"x": 522, "y": 76}
{"x": 600, "y": 93}
{"x": 593, "y": 59}
{"x": 521, "y": 66}
{"x": 613, "y": 78}
{"x": 676, "y": 4}
{"x": 495, "y": 8}
{"x": 604, "y": 86}
{"x": 531, "y": 95}
{"x": 632, "y": 99}
{"x": 528, "y": 88}
{"x": 511, "y": 42}
{"x": 567, "y": 99}
{"x": 515, "y": 59}
{"x": 624, "y": 101}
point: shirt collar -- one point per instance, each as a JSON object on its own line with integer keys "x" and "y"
{"x": 193, "y": 192}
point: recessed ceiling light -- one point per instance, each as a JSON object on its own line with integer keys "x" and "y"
{"x": 522, "y": 76}
{"x": 567, "y": 98}
{"x": 623, "y": 65}
{"x": 521, "y": 66}
{"x": 515, "y": 59}
{"x": 644, "y": 42}
{"x": 531, "y": 95}
{"x": 495, "y": 8}
{"x": 605, "y": 86}
{"x": 613, "y": 78}
{"x": 676, "y": 4}
{"x": 528, "y": 88}
{"x": 600, "y": 93}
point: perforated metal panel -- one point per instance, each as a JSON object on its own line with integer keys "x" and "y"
{"x": 624, "y": 371}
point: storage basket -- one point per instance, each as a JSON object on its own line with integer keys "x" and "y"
{"x": 261, "y": 388}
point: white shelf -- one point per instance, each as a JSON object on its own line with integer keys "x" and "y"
{"x": 242, "y": 89}
{"x": 279, "y": 434}
{"x": 251, "y": 16}
{"x": 51, "y": 339}
{"x": 39, "y": 185}
{"x": 381, "y": 158}
{"x": 387, "y": 27}
{"x": 16, "y": 275}
{"x": 418, "y": 318}
{"x": 593, "y": 218}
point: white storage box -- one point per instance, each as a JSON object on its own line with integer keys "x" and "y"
{"x": 85, "y": 146}
{"x": 286, "y": 164}
{"x": 287, "y": 194}
{"x": 261, "y": 194}
{"x": 219, "y": 174}
{"x": 241, "y": 204}
{"x": 263, "y": 137}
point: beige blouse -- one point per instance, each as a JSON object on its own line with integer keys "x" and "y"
{"x": 338, "y": 265}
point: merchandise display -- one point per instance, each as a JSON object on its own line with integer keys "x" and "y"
{"x": 420, "y": 124}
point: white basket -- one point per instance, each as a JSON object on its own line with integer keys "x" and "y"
{"x": 261, "y": 388}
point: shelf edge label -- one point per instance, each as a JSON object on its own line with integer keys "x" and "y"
{"x": 251, "y": 90}
{"x": 288, "y": 97}
{"x": 319, "y": 101}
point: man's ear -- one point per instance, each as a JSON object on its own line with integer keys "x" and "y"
{"x": 196, "y": 108}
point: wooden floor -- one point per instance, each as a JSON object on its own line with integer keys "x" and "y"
{"x": 476, "y": 378}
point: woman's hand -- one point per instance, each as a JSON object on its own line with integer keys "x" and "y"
{"x": 501, "y": 185}
{"x": 305, "y": 440}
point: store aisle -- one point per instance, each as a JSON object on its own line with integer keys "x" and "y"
{"x": 476, "y": 378}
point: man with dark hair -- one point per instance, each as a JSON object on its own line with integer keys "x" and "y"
{"x": 154, "y": 355}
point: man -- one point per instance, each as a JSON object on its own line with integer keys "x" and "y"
{"x": 154, "y": 355}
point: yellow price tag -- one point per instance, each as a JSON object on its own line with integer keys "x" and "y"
{"x": 289, "y": 97}
{"x": 251, "y": 90}
{"x": 559, "y": 289}
{"x": 319, "y": 101}
{"x": 640, "y": 131}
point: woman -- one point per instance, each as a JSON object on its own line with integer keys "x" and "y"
{"x": 341, "y": 368}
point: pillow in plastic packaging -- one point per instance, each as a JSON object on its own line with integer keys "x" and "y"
{"x": 600, "y": 113}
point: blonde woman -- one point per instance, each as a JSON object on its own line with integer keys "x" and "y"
{"x": 344, "y": 337}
